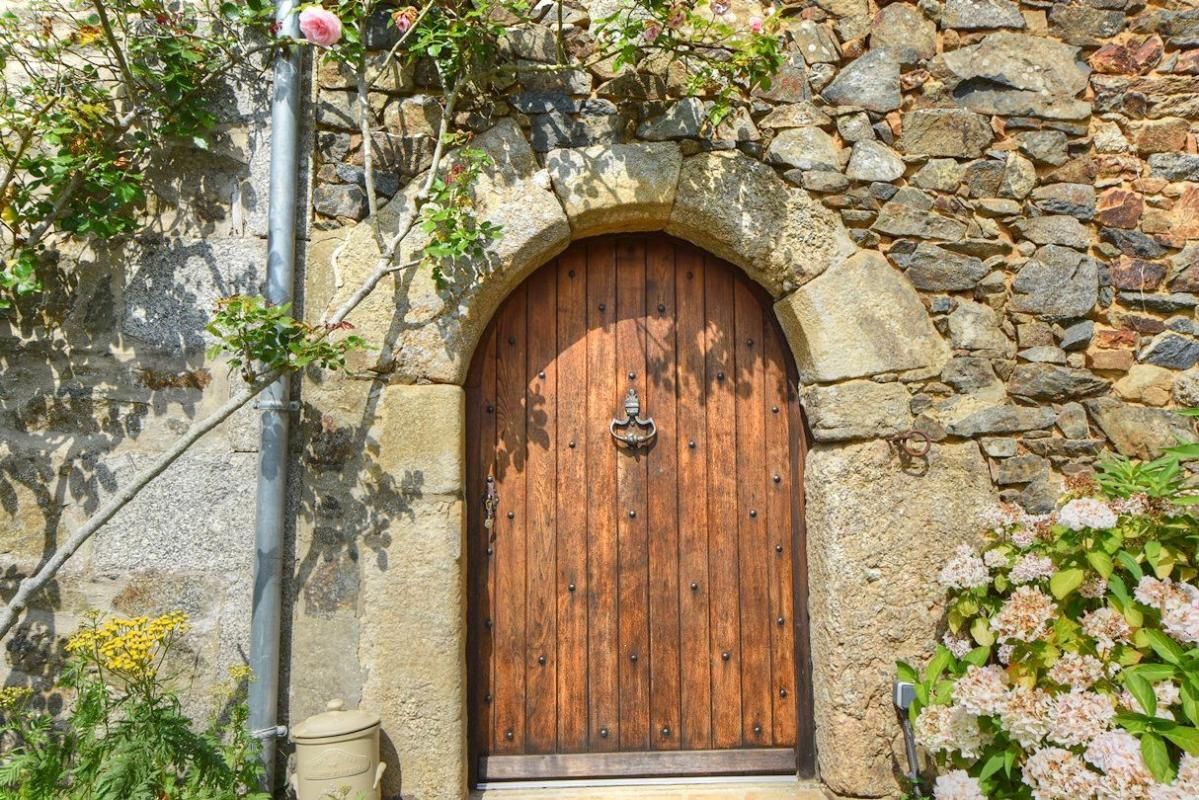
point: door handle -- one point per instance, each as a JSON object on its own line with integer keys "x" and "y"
{"x": 635, "y": 431}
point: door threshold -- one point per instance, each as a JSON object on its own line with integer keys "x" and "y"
{"x": 759, "y": 787}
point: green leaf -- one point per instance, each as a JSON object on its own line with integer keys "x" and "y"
{"x": 992, "y": 765}
{"x": 1142, "y": 690}
{"x": 1157, "y": 757}
{"x": 978, "y": 657}
{"x": 1063, "y": 583}
{"x": 937, "y": 664}
{"x": 1129, "y": 563}
{"x": 980, "y": 629}
{"x": 1190, "y": 699}
{"x": 1101, "y": 562}
{"x": 1184, "y": 736}
{"x": 906, "y": 672}
{"x": 1168, "y": 649}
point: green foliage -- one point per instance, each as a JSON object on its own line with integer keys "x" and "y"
{"x": 259, "y": 337}
{"x": 126, "y": 736}
{"x": 720, "y": 58}
{"x": 1126, "y": 546}
{"x": 94, "y": 89}
{"x": 449, "y": 219}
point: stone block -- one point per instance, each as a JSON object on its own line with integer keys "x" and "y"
{"x": 877, "y": 537}
{"x": 1140, "y": 432}
{"x": 856, "y": 410}
{"x": 860, "y": 318}
{"x": 620, "y": 187}
{"x": 417, "y": 437}
{"x": 740, "y": 210}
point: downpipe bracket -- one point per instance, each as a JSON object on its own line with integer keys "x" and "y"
{"x": 277, "y": 405}
{"x": 277, "y": 732}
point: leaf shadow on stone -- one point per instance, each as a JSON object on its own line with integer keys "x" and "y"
{"x": 103, "y": 366}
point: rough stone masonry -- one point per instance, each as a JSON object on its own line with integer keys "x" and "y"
{"x": 980, "y": 219}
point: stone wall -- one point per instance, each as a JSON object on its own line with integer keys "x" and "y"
{"x": 978, "y": 219}
{"x": 103, "y": 372}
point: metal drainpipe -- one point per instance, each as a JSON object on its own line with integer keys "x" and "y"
{"x": 275, "y": 405}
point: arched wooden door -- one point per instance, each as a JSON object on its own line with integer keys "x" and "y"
{"x": 636, "y": 610}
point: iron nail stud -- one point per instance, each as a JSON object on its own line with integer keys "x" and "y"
{"x": 666, "y": 731}
{"x": 633, "y": 657}
{"x": 603, "y": 733}
{"x": 778, "y": 548}
{"x": 603, "y": 307}
{"x": 508, "y": 734}
{"x": 632, "y": 376}
{"x": 694, "y": 586}
{"x": 776, "y": 478}
{"x": 541, "y": 660}
{"x": 691, "y": 444}
{"x": 781, "y": 620}
{"x": 511, "y": 514}
{"x": 753, "y": 512}
{"x": 511, "y": 340}
{"x": 632, "y": 514}
{"x": 758, "y": 730}
{"x": 541, "y": 374}
{"x": 661, "y": 308}
{"x": 782, "y": 692}
{"x": 726, "y": 655}
{"x": 570, "y": 588}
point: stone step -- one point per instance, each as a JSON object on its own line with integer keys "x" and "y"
{"x": 730, "y": 790}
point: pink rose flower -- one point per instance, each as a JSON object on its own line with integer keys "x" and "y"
{"x": 755, "y": 24}
{"x": 651, "y": 33}
{"x": 319, "y": 26}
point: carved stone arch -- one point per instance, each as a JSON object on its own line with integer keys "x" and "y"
{"x": 877, "y": 528}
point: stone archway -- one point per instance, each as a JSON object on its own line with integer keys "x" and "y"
{"x": 877, "y": 527}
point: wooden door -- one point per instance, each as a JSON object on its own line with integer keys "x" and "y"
{"x": 636, "y": 611}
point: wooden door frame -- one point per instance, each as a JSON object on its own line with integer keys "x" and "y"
{"x": 800, "y": 761}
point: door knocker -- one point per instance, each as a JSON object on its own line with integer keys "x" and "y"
{"x": 636, "y": 431}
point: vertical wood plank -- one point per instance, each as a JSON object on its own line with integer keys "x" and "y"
{"x": 541, "y": 572}
{"x": 480, "y": 422}
{"x": 663, "y": 495}
{"x": 603, "y": 671}
{"x": 572, "y": 505}
{"x": 508, "y": 623}
{"x": 723, "y": 552}
{"x": 779, "y": 520}
{"x": 632, "y": 543}
{"x": 757, "y": 706}
{"x": 696, "y": 667}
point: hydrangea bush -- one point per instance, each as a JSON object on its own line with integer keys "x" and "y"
{"x": 1070, "y": 667}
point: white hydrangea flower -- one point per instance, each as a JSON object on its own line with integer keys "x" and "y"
{"x": 957, "y": 785}
{"x": 949, "y": 729}
{"x": 1025, "y": 715}
{"x": 1054, "y": 773}
{"x": 1077, "y": 671}
{"x": 1106, "y": 626}
{"x": 965, "y": 570}
{"x": 1030, "y": 568}
{"x": 1087, "y": 512}
{"x": 1025, "y": 615}
{"x": 1093, "y": 588}
{"x": 1178, "y": 604}
{"x": 1024, "y": 537}
{"x": 1078, "y": 717}
{"x": 982, "y": 691}
{"x": 995, "y": 558}
{"x": 958, "y": 645}
{"x": 1118, "y": 754}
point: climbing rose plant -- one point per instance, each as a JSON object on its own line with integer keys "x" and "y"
{"x": 1070, "y": 668}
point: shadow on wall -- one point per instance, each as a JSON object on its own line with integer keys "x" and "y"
{"x": 107, "y": 366}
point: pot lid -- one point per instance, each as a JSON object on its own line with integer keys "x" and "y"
{"x": 334, "y": 721}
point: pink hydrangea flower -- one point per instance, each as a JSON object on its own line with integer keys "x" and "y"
{"x": 320, "y": 27}
{"x": 755, "y": 24}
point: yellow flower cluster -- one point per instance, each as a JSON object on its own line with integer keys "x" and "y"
{"x": 131, "y": 646}
{"x": 13, "y": 696}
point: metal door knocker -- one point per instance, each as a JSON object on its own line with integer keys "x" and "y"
{"x": 636, "y": 431}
